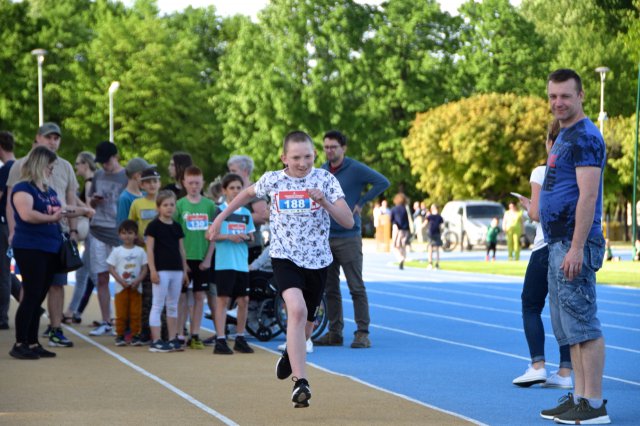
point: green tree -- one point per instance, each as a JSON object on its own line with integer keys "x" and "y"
{"x": 18, "y": 85}
{"x": 591, "y": 35}
{"x": 500, "y": 50}
{"x": 480, "y": 147}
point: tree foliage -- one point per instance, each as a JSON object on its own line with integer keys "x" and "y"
{"x": 196, "y": 81}
{"x": 484, "y": 146}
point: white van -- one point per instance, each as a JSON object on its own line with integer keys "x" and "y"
{"x": 470, "y": 219}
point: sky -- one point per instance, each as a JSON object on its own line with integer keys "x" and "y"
{"x": 251, "y": 7}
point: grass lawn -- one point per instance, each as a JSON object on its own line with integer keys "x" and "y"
{"x": 620, "y": 273}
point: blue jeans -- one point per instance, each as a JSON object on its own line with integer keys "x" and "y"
{"x": 573, "y": 303}
{"x": 534, "y": 293}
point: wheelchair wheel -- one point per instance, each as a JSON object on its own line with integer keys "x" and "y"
{"x": 321, "y": 318}
{"x": 261, "y": 320}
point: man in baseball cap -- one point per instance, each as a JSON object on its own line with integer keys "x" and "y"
{"x": 49, "y": 128}
{"x": 63, "y": 181}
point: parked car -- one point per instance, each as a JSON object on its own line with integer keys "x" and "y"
{"x": 470, "y": 219}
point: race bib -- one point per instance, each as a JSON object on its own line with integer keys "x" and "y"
{"x": 196, "y": 221}
{"x": 234, "y": 228}
{"x": 294, "y": 202}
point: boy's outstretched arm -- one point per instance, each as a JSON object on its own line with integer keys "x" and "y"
{"x": 339, "y": 210}
{"x": 241, "y": 199}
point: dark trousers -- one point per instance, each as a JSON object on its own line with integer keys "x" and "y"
{"x": 37, "y": 268}
{"x": 534, "y": 293}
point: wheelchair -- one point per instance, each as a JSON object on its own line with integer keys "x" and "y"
{"x": 267, "y": 316}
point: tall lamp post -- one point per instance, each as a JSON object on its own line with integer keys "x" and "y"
{"x": 40, "y": 53}
{"x": 601, "y": 117}
{"x": 112, "y": 90}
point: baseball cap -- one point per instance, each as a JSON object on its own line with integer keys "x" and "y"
{"x": 48, "y": 128}
{"x": 150, "y": 173}
{"x": 104, "y": 151}
{"x": 137, "y": 165}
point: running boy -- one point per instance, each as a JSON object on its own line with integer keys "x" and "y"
{"x": 194, "y": 213}
{"x": 168, "y": 268}
{"x": 128, "y": 266}
{"x": 232, "y": 267}
{"x": 302, "y": 197}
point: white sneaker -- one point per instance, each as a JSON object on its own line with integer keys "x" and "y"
{"x": 103, "y": 329}
{"x": 309, "y": 346}
{"x": 556, "y": 381}
{"x": 531, "y": 377}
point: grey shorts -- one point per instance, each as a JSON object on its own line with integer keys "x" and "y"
{"x": 573, "y": 303}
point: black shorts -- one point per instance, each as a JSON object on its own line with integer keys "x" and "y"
{"x": 201, "y": 279}
{"x": 230, "y": 283}
{"x": 311, "y": 281}
{"x": 435, "y": 239}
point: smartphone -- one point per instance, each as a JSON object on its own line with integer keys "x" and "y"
{"x": 515, "y": 194}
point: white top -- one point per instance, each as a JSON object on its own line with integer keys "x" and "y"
{"x": 128, "y": 264}
{"x": 537, "y": 176}
{"x": 299, "y": 226}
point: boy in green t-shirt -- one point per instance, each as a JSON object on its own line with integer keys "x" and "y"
{"x": 492, "y": 238}
{"x": 194, "y": 213}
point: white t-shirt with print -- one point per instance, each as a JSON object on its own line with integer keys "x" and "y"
{"x": 299, "y": 226}
{"x": 537, "y": 176}
{"x": 128, "y": 263}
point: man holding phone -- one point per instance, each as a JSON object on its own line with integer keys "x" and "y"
{"x": 108, "y": 183}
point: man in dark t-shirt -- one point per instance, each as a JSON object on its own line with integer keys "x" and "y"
{"x": 570, "y": 211}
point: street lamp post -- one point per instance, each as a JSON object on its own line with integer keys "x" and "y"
{"x": 40, "y": 53}
{"x": 601, "y": 117}
{"x": 112, "y": 89}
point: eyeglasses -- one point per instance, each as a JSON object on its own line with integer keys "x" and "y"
{"x": 79, "y": 162}
{"x": 331, "y": 147}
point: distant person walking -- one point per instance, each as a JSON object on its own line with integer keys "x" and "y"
{"x": 400, "y": 227}
{"x": 512, "y": 226}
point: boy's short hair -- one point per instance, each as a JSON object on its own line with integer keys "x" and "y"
{"x": 296, "y": 136}
{"x": 6, "y": 141}
{"x": 128, "y": 225}
{"x": 192, "y": 171}
{"x": 165, "y": 194}
{"x": 231, "y": 177}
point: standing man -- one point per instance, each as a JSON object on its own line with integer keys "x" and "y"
{"x": 64, "y": 182}
{"x": 242, "y": 165}
{"x": 346, "y": 244}
{"x": 570, "y": 211}
{"x": 108, "y": 183}
{"x": 8, "y": 282}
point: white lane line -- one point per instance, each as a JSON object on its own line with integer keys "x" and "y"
{"x": 482, "y": 308}
{"x": 480, "y": 323}
{"x": 156, "y": 379}
{"x": 489, "y": 296}
{"x": 479, "y": 348}
{"x": 427, "y": 299}
{"x": 378, "y": 388}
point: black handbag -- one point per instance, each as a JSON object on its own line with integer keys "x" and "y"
{"x": 70, "y": 259}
